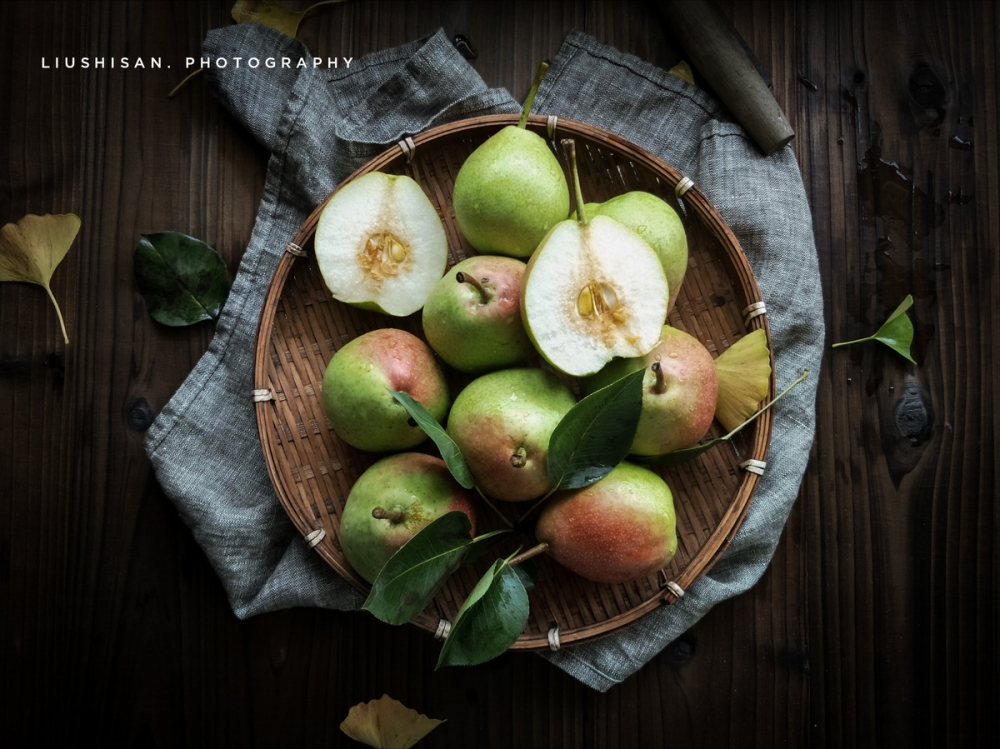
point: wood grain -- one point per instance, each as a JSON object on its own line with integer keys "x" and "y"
{"x": 876, "y": 622}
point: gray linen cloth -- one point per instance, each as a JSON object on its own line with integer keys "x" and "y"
{"x": 320, "y": 125}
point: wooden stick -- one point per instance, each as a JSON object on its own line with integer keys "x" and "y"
{"x": 716, "y": 53}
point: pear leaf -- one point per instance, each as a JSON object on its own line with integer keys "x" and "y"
{"x": 896, "y": 332}
{"x": 182, "y": 279}
{"x": 414, "y": 574}
{"x": 386, "y": 723}
{"x": 596, "y": 434}
{"x": 681, "y": 456}
{"x": 450, "y": 453}
{"x": 489, "y": 621}
{"x": 32, "y": 248}
{"x": 744, "y": 372}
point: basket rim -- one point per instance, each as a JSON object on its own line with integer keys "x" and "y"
{"x": 721, "y": 536}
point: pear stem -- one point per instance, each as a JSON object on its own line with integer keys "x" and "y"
{"x": 539, "y": 74}
{"x": 661, "y": 383}
{"x": 484, "y": 295}
{"x": 394, "y": 516}
{"x": 569, "y": 146}
{"x": 534, "y": 551}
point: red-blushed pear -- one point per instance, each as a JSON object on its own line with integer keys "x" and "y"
{"x": 356, "y": 385}
{"x": 472, "y": 318}
{"x": 655, "y": 220}
{"x": 679, "y": 392}
{"x": 594, "y": 290}
{"x": 502, "y": 422}
{"x": 744, "y": 372}
{"x": 615, "y": 530}
{"x": 393, "y": 500}
{"x": 380, "y": 244}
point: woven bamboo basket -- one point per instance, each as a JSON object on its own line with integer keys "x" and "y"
{"x": 301, "y": 327}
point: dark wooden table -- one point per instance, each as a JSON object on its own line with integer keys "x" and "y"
{"x": 876, "y": 623}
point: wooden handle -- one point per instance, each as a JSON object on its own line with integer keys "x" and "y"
{"x": 716, "y": 53}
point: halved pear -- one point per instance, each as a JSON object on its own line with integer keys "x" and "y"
{"x": 594, "y": 290}
{"x": 743, "y": 371}
{"x": 655, "y": 220}
{"x": 380, "y": 244}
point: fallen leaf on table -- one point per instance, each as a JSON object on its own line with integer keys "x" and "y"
{"x": 273, "y": 14}
{"x": 683, "y": 71}
{"x": 896, "y": 332}
{"x": 182, "y": 279}
{"x": 31, "y": 249}
{"x": 386, "y": 723}
{"x": 270, "y": 13}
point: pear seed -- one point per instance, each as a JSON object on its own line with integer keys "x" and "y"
{"x": 585, "y": 302}
{"x": 396, "y": 251}
{"x": 608, "y": 296}
{"x": 599, "y": 298}
{"x": 382, "y": 253}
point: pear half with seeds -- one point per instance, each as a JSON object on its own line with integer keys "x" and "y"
{"x": 594, "y": 290}
{"x": 380, "y": 244}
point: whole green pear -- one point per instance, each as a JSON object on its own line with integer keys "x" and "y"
{"x": 356, "y": 385}
{"x": 679, "y": 392}
{"x": 509, "y": 192}
{"x": 615, "y": 530}
{"x": 472, "y": 318}
{"x": 393, "y": 500}
{"x": 502, "y": 422}
{"x": 655, "y": 220}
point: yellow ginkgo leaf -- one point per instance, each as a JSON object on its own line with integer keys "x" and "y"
{"x": 386, "y": 723}
{"x": 744, "y": 372}
{"x": 273, "y": 14}
{"x": 31, "y": 249}
{"x": 683, "y": 71}
{"x": 270, "y": 13}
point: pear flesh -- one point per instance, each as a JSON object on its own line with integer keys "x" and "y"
{"x": 593, "y": 292}
{"x": 653, "y": 219}
{"x": 509, "y": 192}
{"x": 380, "y": 244}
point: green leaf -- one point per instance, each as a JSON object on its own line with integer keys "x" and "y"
{"x": 446, "y": 445}
{"x": 414, "y": 574}
{"x": 896, "y": 332}
{"x": 182, "y": 279}
{"x": 489, "y": 621}
{"x": 682, "y": 456}
{"x": 596, "y": 434}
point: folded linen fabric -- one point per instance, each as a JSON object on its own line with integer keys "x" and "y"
{"x": 319, "y": 125}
